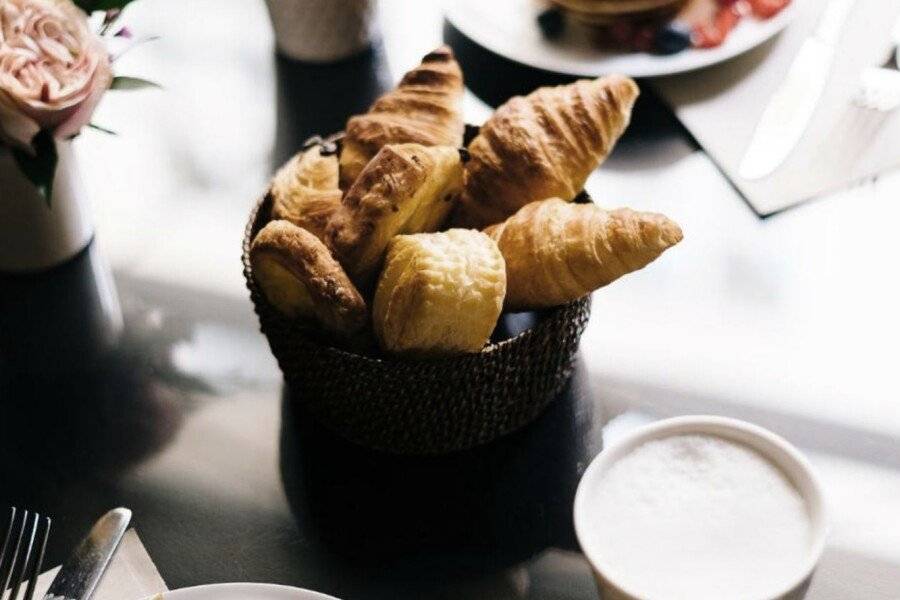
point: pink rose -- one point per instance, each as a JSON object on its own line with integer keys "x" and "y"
{"x": 53, "y": 69}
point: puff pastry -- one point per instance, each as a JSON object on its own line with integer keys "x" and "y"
{"x": 301, "y": 279}
{"x": 557, "y": 251}
{"x": 406, "y": 188}
{"x": 305, "y": 190}
{"x": 543, "y": 145}
{"x": 439, "y": 293}
{"x": 425, "y": 108}
{"x": 607, "y": 12}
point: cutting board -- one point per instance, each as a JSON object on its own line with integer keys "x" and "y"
{"x": 843, "y": 144}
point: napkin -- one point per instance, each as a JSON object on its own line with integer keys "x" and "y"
{"x": 843, "y": 144}
{"x": 131, "y": 574}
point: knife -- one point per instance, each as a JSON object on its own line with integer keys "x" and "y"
{"x": 81, "y": 572}
{"x": 792, "y": 105}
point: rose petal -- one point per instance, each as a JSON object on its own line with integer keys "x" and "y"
{"x": 15, "y": 126}
{"x": 82, "y": 115}
{"x": 53, "y": 69}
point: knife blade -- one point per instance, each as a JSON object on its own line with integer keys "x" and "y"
{"x": 793, "y": 104}
{"x": 82, "y": 571}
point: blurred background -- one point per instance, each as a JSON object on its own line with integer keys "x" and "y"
{"x": 789, "y": 320}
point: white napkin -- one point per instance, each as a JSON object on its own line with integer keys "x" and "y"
{"x": 843, "y": 144}
{"x": 131, "y": 574}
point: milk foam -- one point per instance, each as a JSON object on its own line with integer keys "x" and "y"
{"x": 697, "y": 517}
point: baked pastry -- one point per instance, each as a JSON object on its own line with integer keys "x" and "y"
{"x": 305, "y": 190}
{"x": 302, "y": 280}
{"x": 406, "y": 188}
{"x": 425, "y": 108}
{"x": 543, "y": 145}
{"x": 607, "y": 12}
{"x": 439, "y": 293}
{"x": 557, "y": 251}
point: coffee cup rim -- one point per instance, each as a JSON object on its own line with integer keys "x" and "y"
{"x": 775, "y": 448}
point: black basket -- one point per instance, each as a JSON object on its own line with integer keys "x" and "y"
{"x": 432, "y": 406}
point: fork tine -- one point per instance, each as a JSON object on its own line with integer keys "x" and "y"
{"x": 23, "y": 564}
{"x": 38, "y": 561}
{"x": 9, "y": 531}
{"x": 7, "y": 571}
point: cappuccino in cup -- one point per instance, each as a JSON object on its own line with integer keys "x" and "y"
{"x": 700, "y": 515}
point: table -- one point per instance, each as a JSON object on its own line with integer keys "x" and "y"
{"x": 135, "y": 375}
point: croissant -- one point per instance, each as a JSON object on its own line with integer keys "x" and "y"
{"x": 406, "y": 188}
{"x": 305, "y": 190}
{"x": 439, "y": 293}
{"x": 425, "y": 108}
{"x": 543, "y": 145}
{"x": 300, "y": 278}
{"x": 556, "y": 251}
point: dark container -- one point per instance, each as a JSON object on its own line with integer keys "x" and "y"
{"x": 429, "y": 406}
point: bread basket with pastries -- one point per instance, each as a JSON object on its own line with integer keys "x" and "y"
{"x": 390, "y": 264}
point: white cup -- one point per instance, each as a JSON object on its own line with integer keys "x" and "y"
{"x": 322, "y": 30}
{"x": 35, "y": 234}
{"x": 781, "y": 453}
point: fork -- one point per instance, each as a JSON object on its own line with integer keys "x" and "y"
{"x": 879, "y": 88}
{"x": 19, "y": 551}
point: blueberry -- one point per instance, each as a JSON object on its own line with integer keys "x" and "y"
{"x": 551, "y": 23}
{"x": 672, "y": 38}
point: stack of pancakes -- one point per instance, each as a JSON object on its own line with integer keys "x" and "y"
{"x": 606, "y": 12}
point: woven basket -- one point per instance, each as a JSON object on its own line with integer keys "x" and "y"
{"x": 433, "y": 406}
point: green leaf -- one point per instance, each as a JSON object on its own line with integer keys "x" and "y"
{"x": 40, "y": 168}
{"x": 90, "y": 6}
{"x": 132, "y": 83}
{"x": 102, "y": 129}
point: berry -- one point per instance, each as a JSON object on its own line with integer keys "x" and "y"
{"x": 672, "y": 38}
{"x": 765, "y": 9}
{"x": 551, "y": 23}
{"x": 622, "y": 32}
{"x": 710, "y": 35}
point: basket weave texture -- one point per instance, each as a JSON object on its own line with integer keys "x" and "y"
{"x": 434, "y": 406}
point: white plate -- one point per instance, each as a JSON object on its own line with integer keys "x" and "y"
{"x": 242, "y": 591}
{"x": 509, "y": 28}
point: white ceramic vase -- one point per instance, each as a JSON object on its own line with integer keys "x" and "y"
{"x": 33, "y": 235}
{"x": 322, "y": 30}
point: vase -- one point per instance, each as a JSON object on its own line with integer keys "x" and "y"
{"x": 34, "y": 234}
{"x": 322, "y": 31}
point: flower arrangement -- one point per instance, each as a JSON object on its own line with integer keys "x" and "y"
{"x": 55, "y": 66}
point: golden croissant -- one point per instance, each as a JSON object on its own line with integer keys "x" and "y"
{"x": 425, "y": 108}
{"x": 439, "y": 293}
{"x": 406, "y": 188}
{"x": 543, "y": 145}
{"x": 557, "y": 251}
{"x": 301, "y": 279}
{"x": 305, "y": 190}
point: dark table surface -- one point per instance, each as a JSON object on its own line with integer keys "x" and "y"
{"x": 135, "y": 374}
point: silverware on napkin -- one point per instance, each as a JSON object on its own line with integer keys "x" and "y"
{"x": 792, "y": 105}
{"x": 80, "y": 574}
{"x": 23, "y": 552}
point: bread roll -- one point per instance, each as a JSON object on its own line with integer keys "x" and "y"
{"x": 300, "y": 278}
{"x": 439, "y": 294}
{"x": 406, "y": 188}
{"x": 305, "y": 190}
